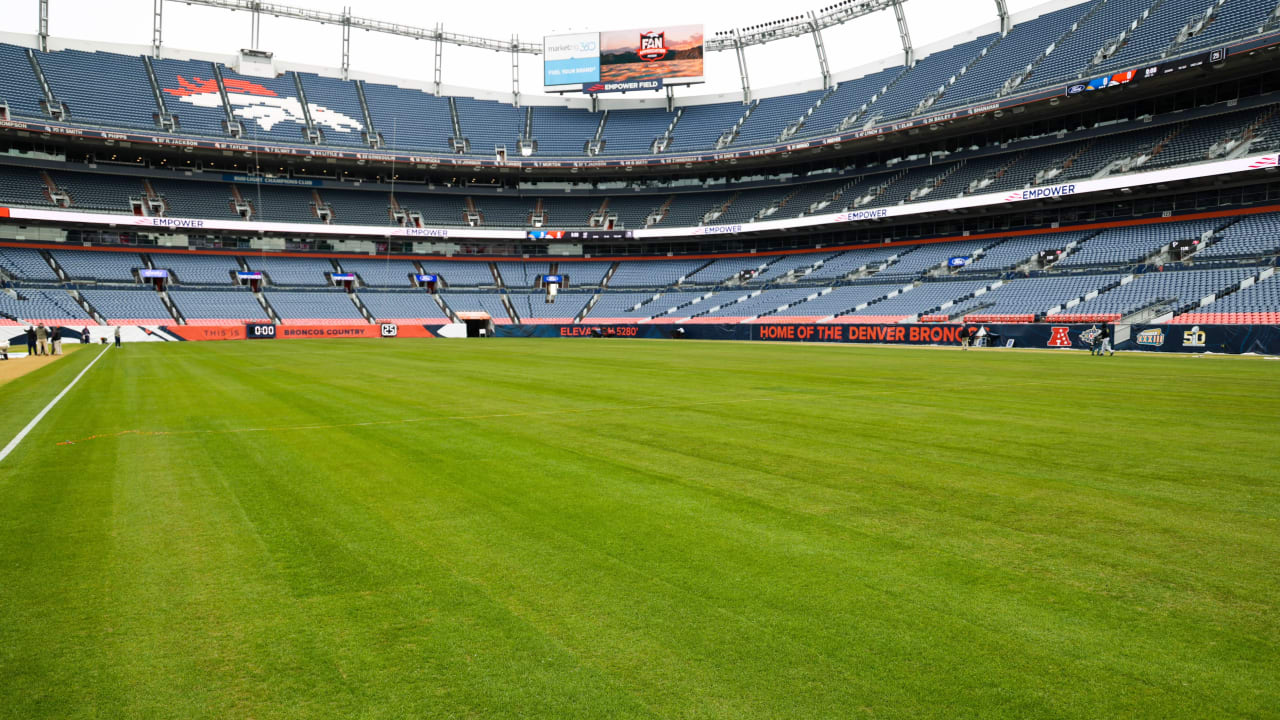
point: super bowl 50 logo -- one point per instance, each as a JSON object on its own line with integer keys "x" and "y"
{"x": 1193, "y": 337}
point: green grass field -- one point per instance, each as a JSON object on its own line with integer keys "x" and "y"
{"x": 648, "y": 529}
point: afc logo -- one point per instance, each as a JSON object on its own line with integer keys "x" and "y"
{"x": 1060, "y": 337}
{"x": 653, "y": 46}
{"x": 1193, "y": 337}
{"x": 389, "y": 330}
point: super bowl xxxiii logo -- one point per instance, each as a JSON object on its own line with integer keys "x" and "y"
{"x": 1089, "y": 336}
{"x": 653, "y": 46}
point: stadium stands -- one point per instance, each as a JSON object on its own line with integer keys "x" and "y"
{"x": 478, "y": 302}
{"x": 585, "y": 274}
{"x": 521, "y": 274}
{"x": 1059, "y": 46}
{"x": 653, "y": 273}
{"x": 533, "y": 307}
{"x": 47, "y": 306}
{"x": 98, "y": 192}
{"x": 213, "y": 307}
{"x": 317, "y": 307}
{"x": 23, "y": 186}
{"x": 193, "y": 269}
{"x": 402, "y": 306}
{"x": 191, "y": 94}
{"x": 18, "y": 86}
{"x": 409, "y": 119}
{"x": 724, "y": 269}
{"x": 928, "y": 257}
{"x": 919, "y": 300}
{"x": 1024, "y": 299}
{"x": 1254, "y": 235}
{"x": 632, "y": 132}
{"x": 1257, "y": 304}
{"x": 84, "y": 265}
{"x": 101, "y": 88}
{"x": 622, "y": 307}
{"x": 754, "y": 305}
{"x": 381, "y": 273}
{"x": 460, "y": 273}
{"x": 335, "y": 110}
{"x": 1171, "y": 291}
{"x": 129, "y": 307}
{"x": 292, "y": 271}
{"x": 26, "y": 264}
{"x": 838, "y": 302}
{"x": 1131, "y": 244}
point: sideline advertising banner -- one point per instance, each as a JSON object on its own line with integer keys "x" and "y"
{"x": 1226, "y": 339}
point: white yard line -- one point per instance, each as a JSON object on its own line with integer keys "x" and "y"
{"x": 13, "y": 444}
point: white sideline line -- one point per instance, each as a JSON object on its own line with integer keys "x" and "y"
{"x": 34, "y": 421}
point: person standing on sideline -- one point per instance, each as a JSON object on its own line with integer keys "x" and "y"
{"x": 4, "y": 348}
{"x": 1104, "y": 341}
{"x": 42, "y": 339}
{"x": 31, "y": 341}
{"x": 84, "y": 336}
{"x": 117, "y": 336}
{"x": 55, "y": 340}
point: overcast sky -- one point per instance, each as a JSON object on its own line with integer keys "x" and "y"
{"x": 197, "y": 28}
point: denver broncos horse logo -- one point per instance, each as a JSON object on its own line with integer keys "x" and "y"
{"x": 251, "y": 101}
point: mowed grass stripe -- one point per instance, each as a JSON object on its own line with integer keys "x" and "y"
{"x": 893, "y": 532}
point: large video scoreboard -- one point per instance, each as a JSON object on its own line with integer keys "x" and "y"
{"x": 622, "y": 60}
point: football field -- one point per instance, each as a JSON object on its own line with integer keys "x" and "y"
{"x": 639, "y": 529}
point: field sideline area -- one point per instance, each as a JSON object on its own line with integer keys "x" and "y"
{"x": 639, "y": 529}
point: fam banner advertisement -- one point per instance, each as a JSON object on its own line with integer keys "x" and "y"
{"x": 673, "y": 52}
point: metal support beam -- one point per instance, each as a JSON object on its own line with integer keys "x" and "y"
{"x": 515, "y": 71}
{"x": 823, "y": 67}
{"x": 837, "y": 14}
{"x": 157, "y": 26}
{"x": 255, "y": 25}
{"x": 44, "y": 25}
{"x": 361, "y": 23}
{"x": 742, "y": 69}
{"x": 346, "y": 43}
{"x": 439, "y": 43}
{"x": 1003, "y": 10}
{"x": 908, "y": 53}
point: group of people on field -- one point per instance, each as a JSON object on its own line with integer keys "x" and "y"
{"x": 976, "y": 336}
{"x": 43, "y": 340}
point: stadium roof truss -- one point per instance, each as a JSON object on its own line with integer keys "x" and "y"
{"x": 737, "y": 40}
